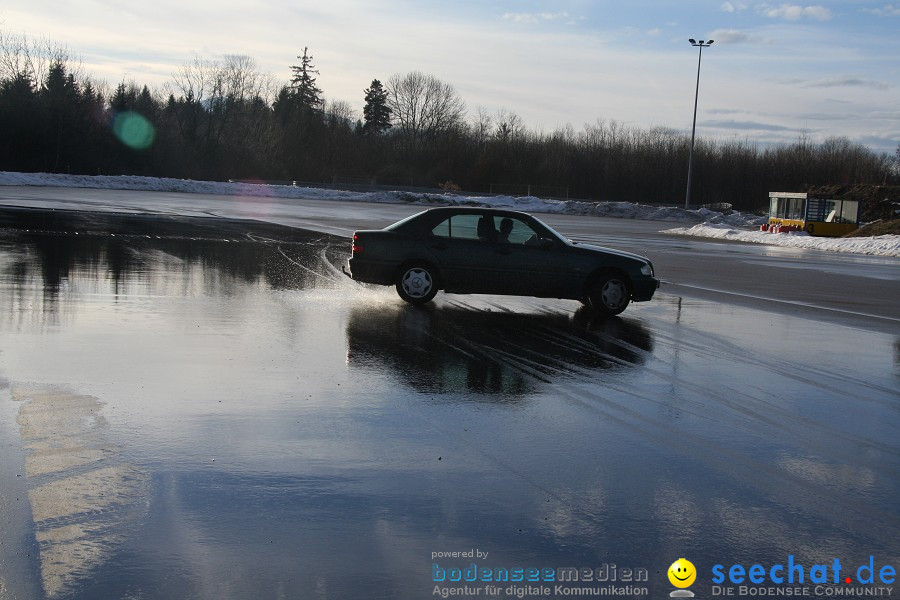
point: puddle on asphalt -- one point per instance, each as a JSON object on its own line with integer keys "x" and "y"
{"x": 201, "y": 409}
{"x": 82, "y": 496}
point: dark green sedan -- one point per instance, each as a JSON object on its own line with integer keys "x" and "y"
{"x": 493, "y": 251}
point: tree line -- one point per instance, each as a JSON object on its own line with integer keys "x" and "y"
{"x": 225, "y": 119}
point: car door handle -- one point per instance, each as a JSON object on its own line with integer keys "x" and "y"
{"x": 502, "y": 250}
{"x": 439, "y": 246}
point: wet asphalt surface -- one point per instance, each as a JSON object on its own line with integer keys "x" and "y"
{"x": 196, "y": 408}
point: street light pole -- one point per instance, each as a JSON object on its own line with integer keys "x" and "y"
{"x": 701, "y": 44}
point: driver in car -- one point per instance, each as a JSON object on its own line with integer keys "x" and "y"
{"x": 506, "y": 226}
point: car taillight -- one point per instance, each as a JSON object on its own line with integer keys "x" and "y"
{"x": 357, "y": 246}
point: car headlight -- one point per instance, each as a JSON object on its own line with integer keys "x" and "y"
{"x": 647, "y": 270}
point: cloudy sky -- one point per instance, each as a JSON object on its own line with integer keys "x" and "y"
{"x": 777, "y": 71}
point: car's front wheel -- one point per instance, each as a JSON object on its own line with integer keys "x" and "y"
{"x": 610, "y": 295}
{"x": 416, "y": 284}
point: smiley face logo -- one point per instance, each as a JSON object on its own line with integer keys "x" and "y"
{"x": 682, "y": 573}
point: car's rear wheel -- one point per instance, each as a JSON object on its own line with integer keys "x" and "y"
{"x": 417, "y": 284}
{"x": 610, "y": 295}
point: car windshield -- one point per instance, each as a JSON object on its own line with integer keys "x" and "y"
{"x": 552, "y": 231}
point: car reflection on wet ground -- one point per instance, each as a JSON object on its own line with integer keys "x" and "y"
{"x": 508, "y": 355}
{"x": 208, "y": 409}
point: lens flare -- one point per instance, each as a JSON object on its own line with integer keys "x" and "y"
{"x": 133, "y": 130}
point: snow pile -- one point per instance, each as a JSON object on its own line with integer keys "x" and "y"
{"x": 628, "y": 210}
{"x": 879, "y": 245}
{"x": 623, "y": 210}
{"x": 186, "y": 186}
{"x": 708, "y": 223}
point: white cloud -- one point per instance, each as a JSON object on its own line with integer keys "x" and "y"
{"x": 534, "y": 17}
{"x": 654, "y": 32}
{"x": 795, "y": 12}
{"x": 731, "y": 7}
{"x": 849, "y": 81}
{"x": 819, "y": 13}
{"x": 733, "y": 36}
{"x": 889, "y": 10}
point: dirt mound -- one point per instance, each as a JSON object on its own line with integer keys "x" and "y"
{"x": 878, "y": 201}
{"x": 891, "y": 227}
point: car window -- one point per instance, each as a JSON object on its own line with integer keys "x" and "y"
{"x": 514, "y": 231}
{"x": 399, "y": 224}
{"x": 466, "y": 227}
{"x": 487, "y": 228}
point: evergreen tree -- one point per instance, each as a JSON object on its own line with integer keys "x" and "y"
{"x": 376, "y": 111}
{"x": 96, "y": 147}
{"x": 146, "y": 105}
{"x": 304, "y": 91}
{"x": 123, "y": 99}
{"x": 20, "y": 119}
{"x": 59, "y": 98}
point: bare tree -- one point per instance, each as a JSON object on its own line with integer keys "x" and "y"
{"x": 216, "y": 90}
{"x": 897, "y": 160}
{"x": 482, "y": 123}
{"x": 339, "y": 111}
{"x": 32, "y": 58}
{"x": 510, "y": 126}
{"x": 242, "y": 80}
{"x": 191, "y": 81}
{"x": 423, "y": 105}
{"x": 15, "y": 56}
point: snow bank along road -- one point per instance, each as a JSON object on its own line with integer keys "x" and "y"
{"x": 734, "y": 225}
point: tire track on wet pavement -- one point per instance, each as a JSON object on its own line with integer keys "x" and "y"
{"x": 786, "y": 479}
